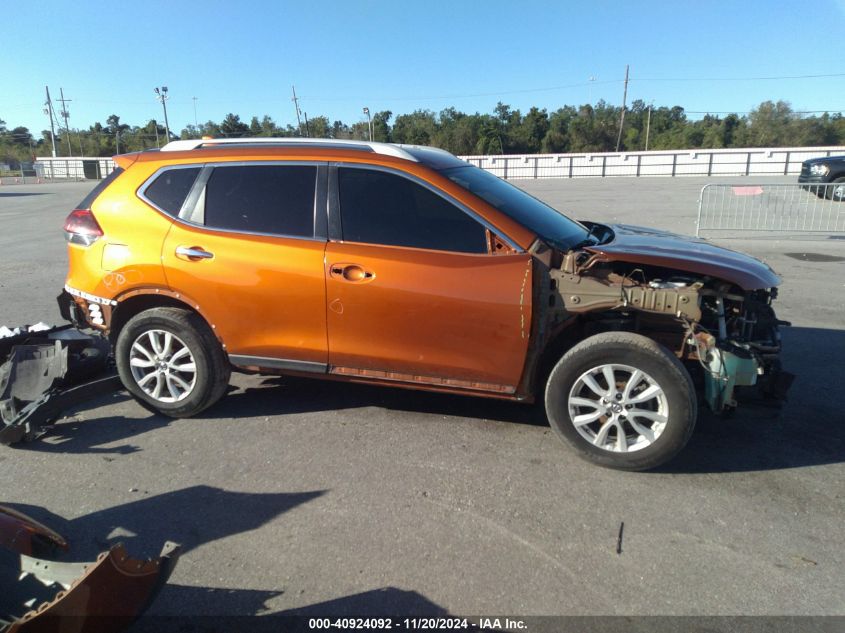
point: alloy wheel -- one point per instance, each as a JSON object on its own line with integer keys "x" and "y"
{"x": 162, "y": 366}
{"x": 618, "y": 408}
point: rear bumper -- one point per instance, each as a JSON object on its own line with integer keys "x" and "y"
{"x": 84, "y": 309}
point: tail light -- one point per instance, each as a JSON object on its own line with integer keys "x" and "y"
{"x": 81, "y": 227}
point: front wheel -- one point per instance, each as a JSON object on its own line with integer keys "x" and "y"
{"x": 171, "y": 362}
{"x": 836, "y": 190}
{"x": 622, "y": 401}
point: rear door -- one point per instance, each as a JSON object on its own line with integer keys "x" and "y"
{"x": 248, "y": 250}
{"x": 414, "y": 293}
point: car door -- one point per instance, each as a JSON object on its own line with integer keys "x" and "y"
{"x": 249, "y": 252}
{"x": 414, "y": 293}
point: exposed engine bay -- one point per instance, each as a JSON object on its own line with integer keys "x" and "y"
{"x": 730, "y": 334}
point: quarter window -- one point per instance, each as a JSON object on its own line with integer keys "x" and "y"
{"x": 169, "y": 190}
{"x": 275, "y": 199}
{"x": 382, "y": 208}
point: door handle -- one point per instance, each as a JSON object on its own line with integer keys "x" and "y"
{"x": 351, "y": 272}
{"x": 193, "y": 253}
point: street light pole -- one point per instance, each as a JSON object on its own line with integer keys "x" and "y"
{"x": 161, "y": 95}
{"x": 369, "y": 123}
{"x": 648, "y": 125}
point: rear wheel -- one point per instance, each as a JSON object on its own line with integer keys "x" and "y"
{"x": 171, "y": 362}
{"x": 622, "y": 401}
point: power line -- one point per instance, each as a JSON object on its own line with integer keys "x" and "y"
{"x": 828, "y": 111}
{"x": 739, "y": 78}
{"x": 464, "y": 96}
{"x": 573, "y": 85}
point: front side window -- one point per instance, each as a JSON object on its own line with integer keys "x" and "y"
{"x": 549, "y": 224}
{"x": 274, "y": 199}
{"x": 382, "y": 208}
{"x": 170, "y": 188}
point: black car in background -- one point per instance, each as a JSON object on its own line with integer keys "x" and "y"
{"x": 824, "y": 171}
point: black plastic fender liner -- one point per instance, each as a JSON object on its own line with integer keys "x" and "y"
{"x": 46, "y": 372}
{"x": 51, "y": 404}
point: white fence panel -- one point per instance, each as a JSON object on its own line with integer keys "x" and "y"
{"x": 776, "y": 161}
{"x": 73, "y": 168}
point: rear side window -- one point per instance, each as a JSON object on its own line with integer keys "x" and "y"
{"x": 274, "y": 199}
{"x": 382, "y": 208}
{"x": 170, "y": 188}
{"x": 100, "y": 188}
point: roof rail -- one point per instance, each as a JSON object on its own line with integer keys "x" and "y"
{"x": 379, "y": 148}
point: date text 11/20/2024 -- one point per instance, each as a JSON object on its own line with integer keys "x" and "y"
{"x": 416, "y": 624}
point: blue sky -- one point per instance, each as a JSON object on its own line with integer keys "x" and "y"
{"x": 402, "y": 55}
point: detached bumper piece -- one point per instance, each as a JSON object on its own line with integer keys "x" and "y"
{"x": 41, "y": 595}
{"x": 46, "y": 370}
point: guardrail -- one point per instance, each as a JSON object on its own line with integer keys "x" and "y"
{"x": 779, "y": 208}
{"x": 775, "y": 161}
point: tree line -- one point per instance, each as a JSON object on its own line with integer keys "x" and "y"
{"x": 585, "y": 128}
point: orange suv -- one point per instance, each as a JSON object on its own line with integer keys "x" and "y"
{"x": 405, "y": 266}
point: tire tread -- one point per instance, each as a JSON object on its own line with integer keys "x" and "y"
{"x": 641, "y": 344}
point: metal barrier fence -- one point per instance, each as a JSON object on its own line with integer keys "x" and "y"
{"x": 782, "y": 161}
{"x": 781, "y": 208}
{"x": 16, "y": 179}
{"x": 73, "y": 168}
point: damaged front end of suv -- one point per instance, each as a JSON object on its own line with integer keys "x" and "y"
{"x": 711, "y": 306}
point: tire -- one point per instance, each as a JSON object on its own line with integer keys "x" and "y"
{"x": 154, "y": 352}
{"x": 648, "y": 379}
{"x": 836, "y": 190}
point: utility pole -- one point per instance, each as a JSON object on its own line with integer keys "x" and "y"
{"x": 161, "y": 95}
{"x": 196, "y": 125}
{"x": 307, "y": 131}
{"x": 622, "y": 118}
{"x": 117, "y": 142}
{"x": 296, "y": 105}
{"x": 48, "y": 110}
{"x": 648, "y": 125}
{"x": 369, "y": 123}
{"x": 65, "y": 115}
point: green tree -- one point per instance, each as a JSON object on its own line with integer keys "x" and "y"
{"x": 772, "y": 124}
{"x": 418, "y": 128}
{"x": 319, "y": 127}
{"x": 233, "y": 127}
{"x": 381, "y": 126}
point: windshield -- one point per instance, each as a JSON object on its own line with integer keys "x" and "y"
{"x": 552, "y": 226}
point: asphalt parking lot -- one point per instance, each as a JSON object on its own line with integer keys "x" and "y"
{"x": 298, "y": 496}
